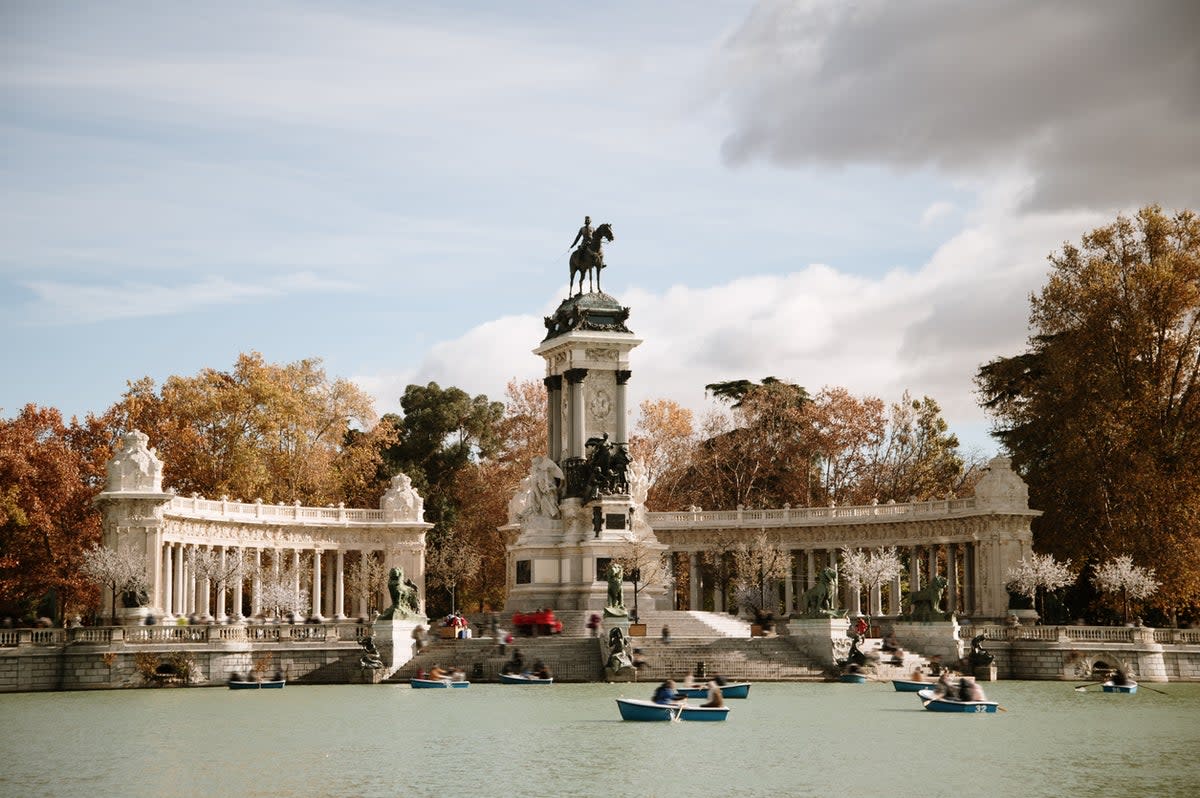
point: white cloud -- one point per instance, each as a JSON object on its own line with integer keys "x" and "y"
{"x": 936, "y": 212}
{"x": 76, "y": 303}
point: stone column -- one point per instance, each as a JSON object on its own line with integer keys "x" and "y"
{"x": 168, "y": 606}
{"x": 256, "y": 584}
{"x": 933, "y": 571}
{"x": 575, "y": 391}
{"x": 553, "y": 385}
{"x": 339, "y": 609}
{"x": 622, "y": 381}
{"x": 810, "y": 568}
{"x": 205, "y": 593}
{"x": 914, "y": 569}
{"x": 296, "y": 579}
{"x": 875, "y": 596}
{"x": 894, "y": 605}
{"x": 316, "y": 581}
{"x": 190, "y": 593}
{"x": 222, "y": 586}
{"x": 952, "y": 578}
{"x": 237, "y": 585}
{"x": 695, "y": 596}
{"x": 789, "y": 584}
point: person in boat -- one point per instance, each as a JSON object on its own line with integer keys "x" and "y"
{"x": 715, "y": 698}
{"x": 1119, "y": 677}
{"x": 943, "y": 686}
{"x": 969, "y": 690}
{"x": 665, "y": 693}
{"x": 436, "y": 673}
{"x": 719, "y": 679}
{"x": 540, "y": 671}
{"x": 516, "y": 664}
{"x": 917, "y": 675}
{"x": 689, "y": 680}
{"x": 457, "y": 674}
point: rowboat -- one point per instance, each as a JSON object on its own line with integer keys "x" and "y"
{"x": 517, "y": 678}
{"x": 636, "y": 709}
{"x": 265, "y": 684}
{"x": 425, "y": 683}
{"x": 731, "y": 690}
{"x": 853, "y": 678}
{"x": 938, "y": 703}
{"x": 1110, "y": 687}
{"x": 909, "y": 686}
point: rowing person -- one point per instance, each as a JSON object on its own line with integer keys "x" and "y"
{"x": 665, "y": 693}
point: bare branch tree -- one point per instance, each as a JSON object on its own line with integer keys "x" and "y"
{"x": 118, "y": 571}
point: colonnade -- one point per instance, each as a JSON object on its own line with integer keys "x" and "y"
{"x": 188, "y": 590}
{"x": 957, "y": 563}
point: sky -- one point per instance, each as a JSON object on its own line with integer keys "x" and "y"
{"x": 856, "y": 194}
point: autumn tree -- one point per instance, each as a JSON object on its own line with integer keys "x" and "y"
{"x": 279, "y": 433}
{"x": 1102, "y": 411}
{"x": 663, "y": 438}
{"x": 49, "y": 474}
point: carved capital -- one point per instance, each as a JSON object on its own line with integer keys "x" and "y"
{"x": 623, "y": 376}
{"x": 553, "y": 382}
{"x": 575, "y": 376}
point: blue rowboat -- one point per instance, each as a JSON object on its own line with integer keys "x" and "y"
{"x": 435, "y": 683}
{"x": 636, "y": 709}
{"x": 1109, "y": 687}
{"x": 853, "y": 678}
{"x": 731, "y": 690}
{"x": 516, "y": 678}
{"x": 266, "y": 684}
{"x": 909, "y": 686}
{"x": 935, "y": 703}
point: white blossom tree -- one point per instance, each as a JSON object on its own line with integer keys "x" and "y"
{"x": 222, "y": 573}
{"x": 1131, "y": 581}
{"x": 118, "y": 571}
{"x": 870, "y": 569}
{"x": 758, "y": 565}
{"x": 1038, "y": 574}
{"x": 278, "y": 592}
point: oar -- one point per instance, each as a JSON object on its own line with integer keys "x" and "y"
{"x": 677, "y": 713}
{"x": 1083, "y": 687}
{"x": 1151, "y": 689}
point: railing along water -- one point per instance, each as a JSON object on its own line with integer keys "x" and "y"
{"x": 794, "y": 515}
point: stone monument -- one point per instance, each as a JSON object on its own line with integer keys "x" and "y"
{"x": 576, "y": 513}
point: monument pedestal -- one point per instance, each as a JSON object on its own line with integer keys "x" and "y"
{"x": 930, "y": 638}
{"x": 824, "y": 639}
{"x": 395, "y": 642}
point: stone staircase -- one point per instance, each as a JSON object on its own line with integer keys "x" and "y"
{"x": 570, "y": 659}
{"x": 721, "y": 642}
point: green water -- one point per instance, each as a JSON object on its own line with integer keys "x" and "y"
{"x": 805, "y": 739}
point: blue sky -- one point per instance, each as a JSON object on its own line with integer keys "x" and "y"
{"x": 854, "y": 194}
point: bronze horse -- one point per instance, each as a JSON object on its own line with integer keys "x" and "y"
{"x": 590, "y": 258}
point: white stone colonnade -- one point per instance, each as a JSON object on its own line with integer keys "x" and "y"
{"x": 314, "y": 544}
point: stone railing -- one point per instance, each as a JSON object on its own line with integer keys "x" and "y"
{"x": 799, "y": 515}
{"x": 202, "y": 634}
{"x": 197, "y": 507}
{"x": 1082, "y": 634}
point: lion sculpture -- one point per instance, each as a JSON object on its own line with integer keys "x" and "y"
{"x": 925, "y": 602}
{"x": 818, "y": 601}
{"x": 405, "y": 603}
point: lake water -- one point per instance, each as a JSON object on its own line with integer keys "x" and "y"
{"x": 789, "y": 739}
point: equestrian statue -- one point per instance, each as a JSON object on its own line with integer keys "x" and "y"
{"x": 588, "y": 256}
